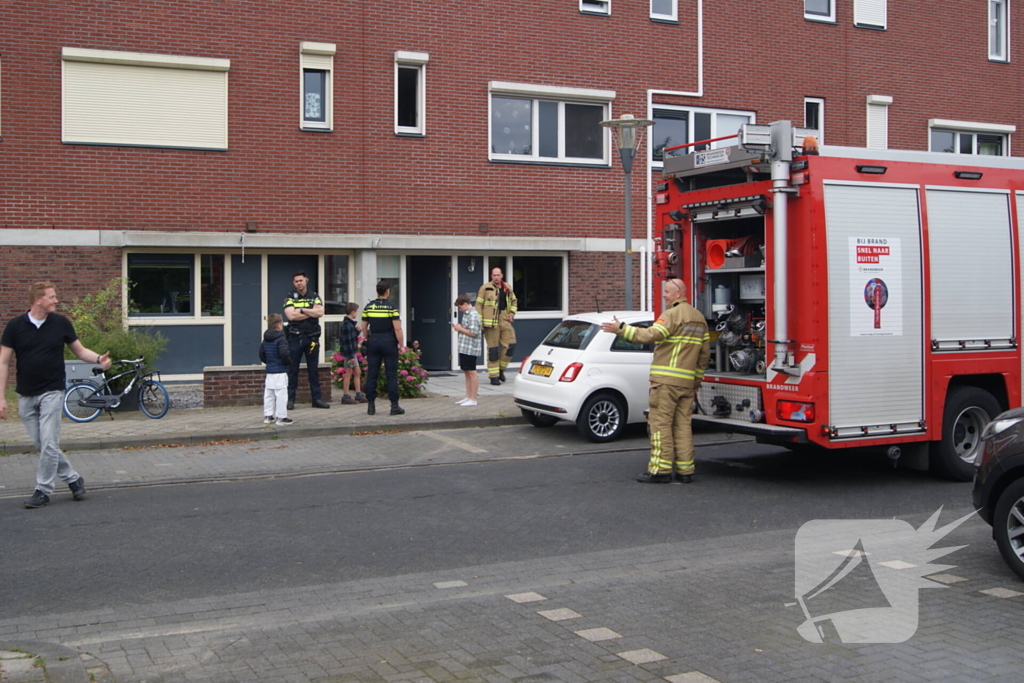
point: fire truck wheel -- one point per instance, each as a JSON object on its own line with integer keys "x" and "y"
{"x": 602, "y": 418}
{"x": 1007, "y": 527}
{"x": 539, "y": 419}
{"x": 968, "y": 410}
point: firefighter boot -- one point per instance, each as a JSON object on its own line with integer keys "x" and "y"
{"x": 397, "y": 409}
{"x": 371, "y": 407}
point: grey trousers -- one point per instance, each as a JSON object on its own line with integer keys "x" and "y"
{"x": 41, "y": 416}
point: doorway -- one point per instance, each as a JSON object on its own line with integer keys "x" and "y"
{"x": 430, "y": 310}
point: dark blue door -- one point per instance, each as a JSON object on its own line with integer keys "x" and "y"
{"x": 430, "y": 309}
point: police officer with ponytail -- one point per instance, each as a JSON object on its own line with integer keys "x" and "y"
{"x": 383, "y": 329}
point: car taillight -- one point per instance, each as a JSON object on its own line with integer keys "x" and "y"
{"x": 524, "y": 365}
{"x": 794, "y": 411}
{"x": 571, "y": 373}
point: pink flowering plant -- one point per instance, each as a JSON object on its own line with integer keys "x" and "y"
{"x": 412, "y": 378}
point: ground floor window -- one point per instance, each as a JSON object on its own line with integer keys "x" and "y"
{"x": 211, "y": 287}
{"x": 389, "y": 269}
{"x": 160, "y": 284}
{"x": 537, "y": 282}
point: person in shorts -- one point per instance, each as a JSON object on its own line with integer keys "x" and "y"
{"x": 348, "y": 346}
{"x": 470, "y": 346}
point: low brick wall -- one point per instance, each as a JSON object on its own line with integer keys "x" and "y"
{"x": 242, "y": 385}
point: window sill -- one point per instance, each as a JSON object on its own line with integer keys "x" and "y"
{"x": 401, "y": 134}
{"x": 661, "y": 20}
{"x": 304, "y": 129}
{"x": 595, "y": 14}
{"x": 870, "y": 27}
{"x": 816, "y": 20}
{"x": 994, "y": 60}
{"x": 563, "y": 164}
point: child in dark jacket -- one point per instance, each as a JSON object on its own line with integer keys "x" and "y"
{"x": 274, "y": 352}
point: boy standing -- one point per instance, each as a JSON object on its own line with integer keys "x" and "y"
{"x": 274, "y": 352}
{"x": 470, "y": 347}
{"x": 348, "y": 346}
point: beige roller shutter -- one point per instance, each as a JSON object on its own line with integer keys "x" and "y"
{"x": 112, "y": 98}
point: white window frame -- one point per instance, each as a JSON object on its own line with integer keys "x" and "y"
{"x": 830, "y": 17}
{"x": 690, "y": 127}
{"x": 1003, "y": 29}
{"x": 673, "y": 16}
{"x": 602, "y": 7}
{"x": 318, "y": 56}
{"x": 820, "y": 101}
{"x": 562, "y": 96}
{"x": 418, "y": 61}
{"x": 870, "y": 13}
{"x": 971, "y": 128}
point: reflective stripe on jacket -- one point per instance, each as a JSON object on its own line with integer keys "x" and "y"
{"x": 487, "y": 303}
{"x": 682, "y": 345}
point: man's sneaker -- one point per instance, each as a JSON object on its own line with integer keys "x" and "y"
{"x": 684, "y": 478}
{"x": 495, "y": 381}
{"x": 648, "y": 478}
{"x": 360, "y": 398}
{"x": 38, "y": 500}
{"x": 77, "y": 488}
{"x": 291, "y": 405}
{"x": 284, "y": 421}
{"x": 348, "y": 400}
{"x": 501, "y": 376}
{"x": 320, "y": 404}
{"x": 268, "y": 420}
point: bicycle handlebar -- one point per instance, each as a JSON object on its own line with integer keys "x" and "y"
{"x": 129, "y": 362}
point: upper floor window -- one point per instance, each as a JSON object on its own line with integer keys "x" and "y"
{"x": 869, "y": 13}
{"x": 998, "y": 33}
{"x": 596, "y": 6}
{"x": 543, "y": 123}
{"x": 410, "y": 85}
{"x": 317, "y": 87}
{"x": 820, "y": 10}
{"x": 964, "y": 137}
{"x": 814, "y": 116}
{"x": 681, "y": 125}
{"x": 144, "y": 99}
{"x": 665, "y": 10}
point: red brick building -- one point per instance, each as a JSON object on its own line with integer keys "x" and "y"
{"x": 206, "y": 150}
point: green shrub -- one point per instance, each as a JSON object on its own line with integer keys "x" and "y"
{"x": 412, "y": 378}
{"x": 100, "y": 326}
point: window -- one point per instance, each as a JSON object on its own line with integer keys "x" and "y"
{"x": 145, "y": 100}
{"x": 877, "y": 124}
{"x": 596, "y": 6}
{"x": 620, "y": 343}
{"x": 532, "y": 123}
{"x": 537, "y": 282}
{"x": 966, "y": 137}
{"x": 665, "y": 10}
{"x": 389, "y": 269}
{"x": 211, "y": 284}
{"x": 317, "y": 86}
{"x": 160, "y": 284}
{"x": 998, "y": 33}
{"x": 677, "y": 126}
{"x": 571, "y": 334}
{"x": 814, "y": 116}
{"x": 335, "y": 294}
{"x": 410, "y": 84}
{"x": 869, "y": 13}
{"x": 819, "y": 10}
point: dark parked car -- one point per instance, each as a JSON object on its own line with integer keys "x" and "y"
{"x": 999, "y": 485}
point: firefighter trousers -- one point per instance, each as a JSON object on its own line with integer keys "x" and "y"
{"x": 671, "y": 429}
{"x": 501, "y": 344}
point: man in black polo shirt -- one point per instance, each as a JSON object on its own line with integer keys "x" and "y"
{"x": 37, "y": 340}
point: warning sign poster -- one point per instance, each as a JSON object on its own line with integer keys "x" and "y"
{"x": 876, "y": 287}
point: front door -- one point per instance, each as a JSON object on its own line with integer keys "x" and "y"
{"x": 430, "y": 309}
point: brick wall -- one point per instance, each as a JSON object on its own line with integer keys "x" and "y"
{"x": 596, "y": 282}
{"x": 242, "y": 385}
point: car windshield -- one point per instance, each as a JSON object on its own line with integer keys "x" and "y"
{"x": 571, "y": 334}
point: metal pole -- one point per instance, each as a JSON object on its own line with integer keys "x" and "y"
{"x": 629, "y": 243}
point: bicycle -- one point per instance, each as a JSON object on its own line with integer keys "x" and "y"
{"x": 84, "y": 400}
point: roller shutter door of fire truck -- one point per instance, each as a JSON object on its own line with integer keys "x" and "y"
{"x": 971, "y": 275}
{"x": 876, "y": 331}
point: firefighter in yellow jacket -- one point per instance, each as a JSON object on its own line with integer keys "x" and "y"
{"x": 496, "y": 303}
{"x": 681, "y": 353}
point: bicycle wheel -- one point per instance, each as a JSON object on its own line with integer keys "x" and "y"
{"x": 73, "y": 408}
{"x": 153, "y": 399}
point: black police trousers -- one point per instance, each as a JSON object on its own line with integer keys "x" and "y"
{"x": 381, "y": 348}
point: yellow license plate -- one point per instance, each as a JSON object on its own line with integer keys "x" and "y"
{"x": 542, "y": 370}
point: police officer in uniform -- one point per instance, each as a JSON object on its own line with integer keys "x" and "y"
{"x": 383, "y": 330}
{"x": 303, "y": 308}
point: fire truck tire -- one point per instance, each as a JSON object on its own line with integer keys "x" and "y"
{"x": 1007, "y": 527}
{"x": 602, "y": 418}
{"x": 968, "y": 410}
{"x": 539, "y": 419}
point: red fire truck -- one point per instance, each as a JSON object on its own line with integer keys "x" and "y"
{"x": 857, "y": 298}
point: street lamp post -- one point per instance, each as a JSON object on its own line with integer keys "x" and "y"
{"x": 628, "y": 131}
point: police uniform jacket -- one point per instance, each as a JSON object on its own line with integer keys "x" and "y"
{"x": 307, "y": 326}
{"x": 682, "y": 345}
{"x": 380, "y": 316}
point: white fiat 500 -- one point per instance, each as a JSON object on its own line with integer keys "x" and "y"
{"x": 586, "y": 376}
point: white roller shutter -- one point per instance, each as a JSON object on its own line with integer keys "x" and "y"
{"x": 875, "y": 368}
{"x": 877, "y": 123}
{"x": 129, "y": 99}
{"x": 971, "y": 275}
{"x": 869, "y": 13}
